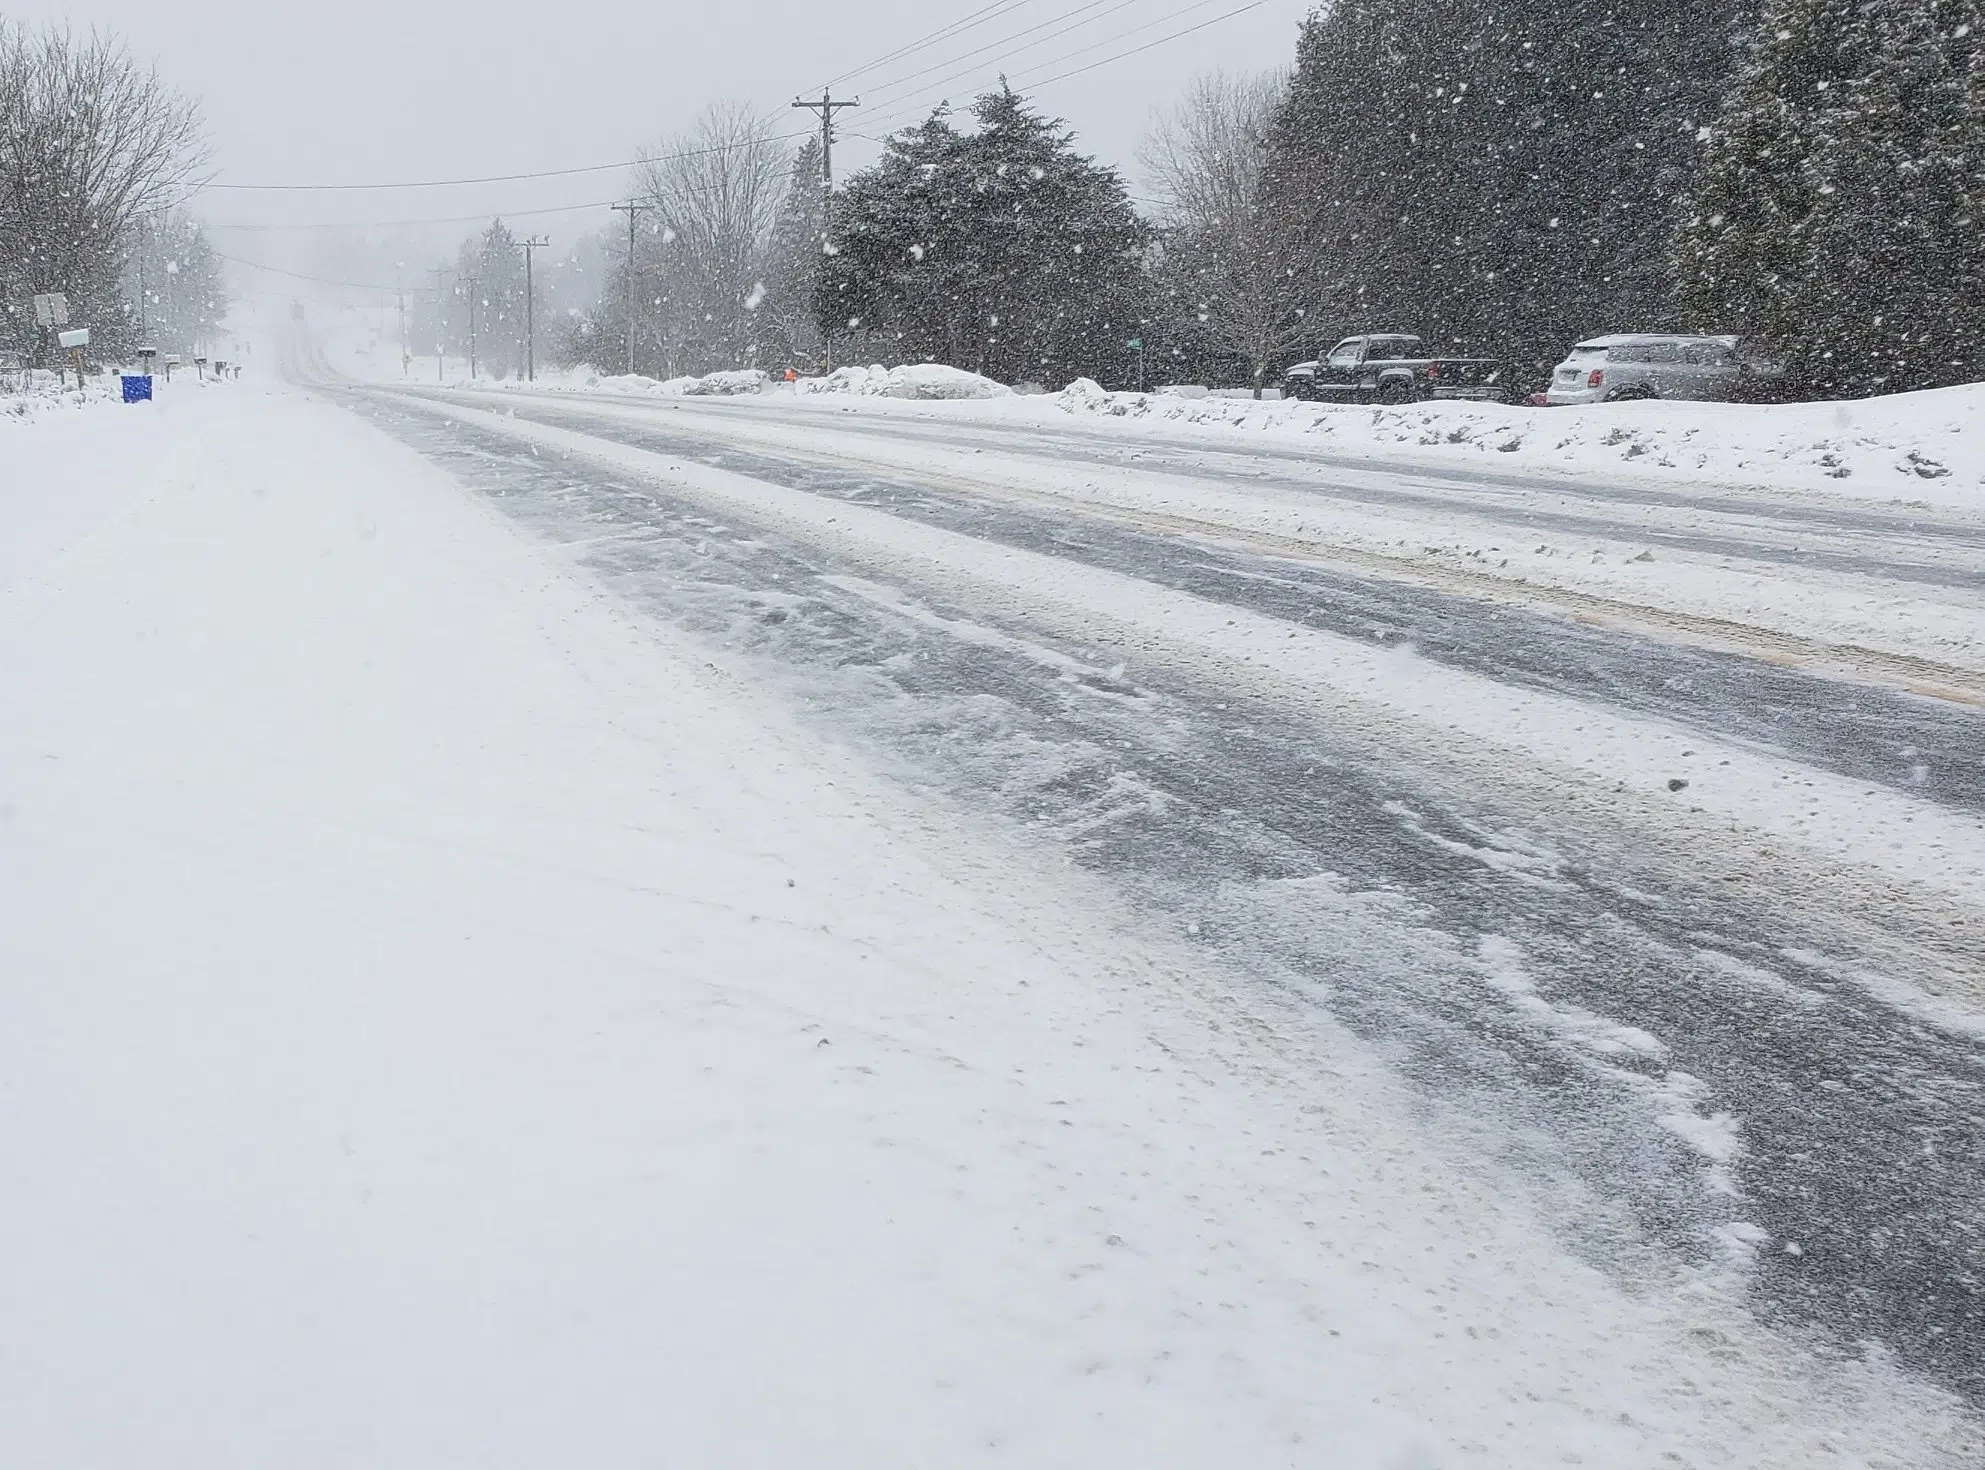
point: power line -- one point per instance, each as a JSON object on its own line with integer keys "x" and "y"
{"x": 985, "y": 14}
{"x": 1148, "y": 45}
{"x": 550, "y": 173}
{"x": 276, "y": 270}
{"x": 915, "y": 101}
{"x": 977, "y": 18}
{"x": 1074, "y": 24}
{"x": 942, "y": 33}
{"x": 910, "y": 106}
{"x": 390, "y": 224}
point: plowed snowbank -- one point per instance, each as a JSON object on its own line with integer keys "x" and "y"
{"x": 923, "y": 380}
{"x": 1921, "y": 446}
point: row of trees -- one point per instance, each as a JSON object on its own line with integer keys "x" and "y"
{"x": 1501, "y": 179}
{"x": 726, "y": 243}
{"x": 1509, "y": 178}
{"x": 997, "y": 247}
{"x": 1840, "y": 205}
{"x": 95, "y": 153}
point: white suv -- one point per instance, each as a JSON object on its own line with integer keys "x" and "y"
{"x": 1616, "y": 369}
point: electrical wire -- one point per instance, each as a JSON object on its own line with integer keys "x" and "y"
{"x": 550, "y": 173}
{"x": 276, "y": 270}
{"x": 395, "y": 224}
{"x": 900, "y": 106}
{"x": 943, "y": 33}
{"x": 903, "y": 107}
{"x": 1148, "y": 45}
{"x": 895, "y": 83}
{"x": 911, "y": 106}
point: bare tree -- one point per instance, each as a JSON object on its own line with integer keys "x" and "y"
{"x": 715, "y": 192}
{"x": 1243, "y": 267}
{"x": 89, "y": 143}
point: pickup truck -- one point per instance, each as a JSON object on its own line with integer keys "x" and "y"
{"x": 1392, "y": 368}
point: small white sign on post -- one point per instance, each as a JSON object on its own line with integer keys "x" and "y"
{"x": 78, "y": 338}
{"x": 51, "y": 310}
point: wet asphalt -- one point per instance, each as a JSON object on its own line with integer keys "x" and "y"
{"x": 1326, "y": 882}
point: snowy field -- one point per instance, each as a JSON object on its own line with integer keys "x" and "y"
{"x": 455, "y": 1018}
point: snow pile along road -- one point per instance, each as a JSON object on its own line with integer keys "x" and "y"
{"x": 27, "y": 396}
{"x": 634, "y": 385}
{"x": 1907, "y": 446}
{"x": 927, "y": 381}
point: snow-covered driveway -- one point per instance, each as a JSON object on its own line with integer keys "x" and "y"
{"x": 460, "y": 1007}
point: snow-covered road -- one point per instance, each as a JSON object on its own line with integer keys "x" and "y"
{"x": 788, "y": 962}
{"x": 1223, "y": 719}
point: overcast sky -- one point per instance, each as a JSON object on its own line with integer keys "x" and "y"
{"x": 356, "y": 91}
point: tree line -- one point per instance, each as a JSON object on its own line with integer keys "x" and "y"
{"x": 1502, "y": 180}
{"x": 96, "y": 156}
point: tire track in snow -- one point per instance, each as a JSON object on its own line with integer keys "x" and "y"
{"x": 1927, "y": 747}
{"x": 1706, "y": 1079}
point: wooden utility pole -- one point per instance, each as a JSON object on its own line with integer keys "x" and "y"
{"x": 400, "y": 298}
{"x": 530, "y": 248}
{"x": 826, "y": 107}
{"x": 440, "y": 324}
{"x": 474, "y": 285}
{"x": 631, "y": 208}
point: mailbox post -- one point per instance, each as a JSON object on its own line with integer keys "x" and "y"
{"x": 74, "y": 343}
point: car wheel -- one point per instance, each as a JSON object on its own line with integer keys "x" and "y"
{"x": 1638, "y": 393}
{"x": 1395, "y": 392}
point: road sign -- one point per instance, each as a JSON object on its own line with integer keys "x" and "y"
{"x": 51, "y": 310}
{"x": 78, "y": 338}
{"x": 137, "y": 387}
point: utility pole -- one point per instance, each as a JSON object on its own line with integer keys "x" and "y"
{"x": 440, "y": 324}
{"x": 530, "y": 248}
{"x": 474, "y": 285}
{"x": 400, "y": 296}
{"x": 631, "y": 208}
{"x": 827, "y": 107}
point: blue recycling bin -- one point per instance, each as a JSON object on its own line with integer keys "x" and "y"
{"x": 137, "y": 387}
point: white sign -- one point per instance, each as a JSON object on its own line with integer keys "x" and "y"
{"x": 51, "y": 310}
{"x": 78, "y": 338}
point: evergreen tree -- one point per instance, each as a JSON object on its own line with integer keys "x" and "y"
{"x": 173, "y": 284}
{"x": 792, "y": 264}
{"x": 491, "y": 268}
{"x": 1002, "y": 251}
{"x": 1500, "y": 178}
{"x": 1839, "y": 210}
